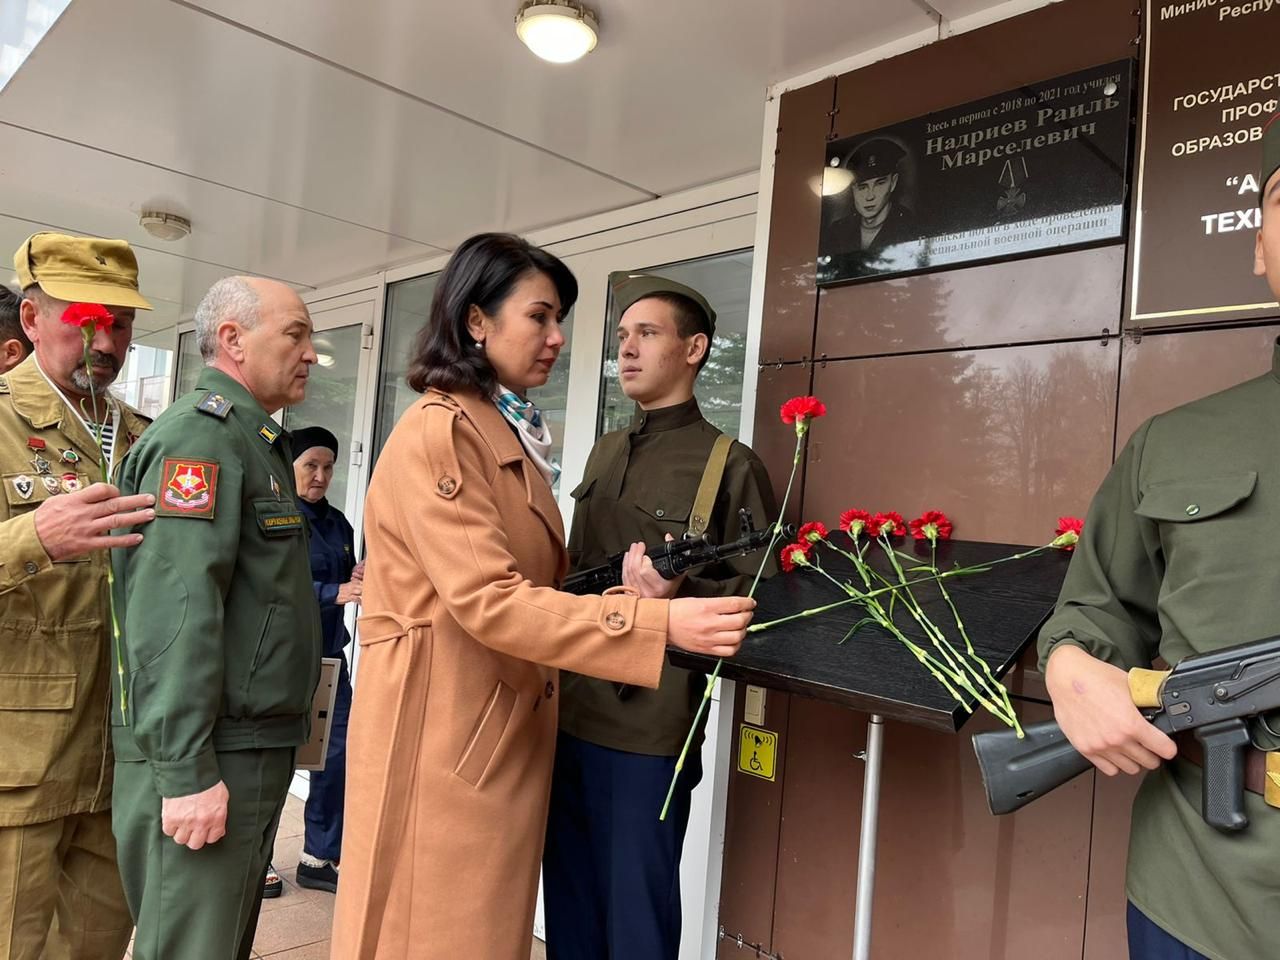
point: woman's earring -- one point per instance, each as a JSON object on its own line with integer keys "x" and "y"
{"x": 479, "y": 344}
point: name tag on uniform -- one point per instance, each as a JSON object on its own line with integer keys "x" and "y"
{"x": 278, "y": 518}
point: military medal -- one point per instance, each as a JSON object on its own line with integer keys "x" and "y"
{"x": 35, "y": 443}
{"x": 70, "y": 456}
{"x": 70, "y": 483}
{"x": 24, "y": 485}
{"x": 275, "y": 487}
{"x": 51, "y": 483}
{"x": 41, "y": 466}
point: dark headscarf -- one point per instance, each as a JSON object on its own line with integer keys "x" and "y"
{"x": 308, "y": 437}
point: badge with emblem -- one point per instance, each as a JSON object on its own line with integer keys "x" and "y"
{"x": 275, "y": 487}
{"x": 24, "y": 485}
{"x": 268, "y": 434}
{"x": 51, "y": 483}
{"x": 35, "y": 443}
{"x": 215, "y": 404}
{"x": 189, "y": 490}
{"x": 70, "y": 456}
{"x": 70, "y": 483}
{"x": 41, "y": 466}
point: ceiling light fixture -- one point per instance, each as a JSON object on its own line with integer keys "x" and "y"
{"x": 561, "y": 32}
{"x": 165, "y": 226}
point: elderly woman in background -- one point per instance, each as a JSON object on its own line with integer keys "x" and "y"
{"x": 454, "y": 724}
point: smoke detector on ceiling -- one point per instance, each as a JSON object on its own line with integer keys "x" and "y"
{"x": 165, "y": 226}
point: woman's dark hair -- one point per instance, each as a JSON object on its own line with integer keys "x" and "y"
{"x": 482, "y": 272}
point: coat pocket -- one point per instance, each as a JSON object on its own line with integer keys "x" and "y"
{"x": 35, "y": 720}
{"x": 486, "y": 736}
{"x": 1193, "y": 501}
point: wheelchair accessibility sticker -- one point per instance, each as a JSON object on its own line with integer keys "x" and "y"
{"x": 757, "y": 751}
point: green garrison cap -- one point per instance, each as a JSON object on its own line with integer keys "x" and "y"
{"x": 628, "y": 288}
{"x": 1270, "y": 154}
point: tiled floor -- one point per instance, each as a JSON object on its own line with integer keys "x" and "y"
{"x": 295, "y": 926}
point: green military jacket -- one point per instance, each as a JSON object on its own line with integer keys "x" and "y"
{"x": 221, "y": 631}
{"x": 1178, "y": 556}
{"x": 55, "y": 639}
{"x": 640, "y": 484}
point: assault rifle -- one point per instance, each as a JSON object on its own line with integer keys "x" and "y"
{"x": 1213, "y": 694}
{"x": 674, "y": 557}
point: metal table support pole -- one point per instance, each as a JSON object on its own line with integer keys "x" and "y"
{"x": 867, "y": 840}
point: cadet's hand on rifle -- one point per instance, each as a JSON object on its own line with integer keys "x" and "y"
{"x": 75, "y": 524}
{"x": 197, "y": 819}
{"x": 639, "y": 572}
{"x": 713, "y": 626}
{"x": 1092, "y": 704}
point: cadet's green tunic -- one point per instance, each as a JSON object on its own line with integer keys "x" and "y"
{"x": 640, "y": 484}
{"x": 221, "y": 643}
{"x": 1178, "y": 556}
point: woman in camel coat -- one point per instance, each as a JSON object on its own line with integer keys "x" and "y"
{"x": 453, "y": 727}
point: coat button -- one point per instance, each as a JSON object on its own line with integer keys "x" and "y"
{"x": 659, "y": 513}
{"x": 551, "y": 688}
{"x": 1193, "y": 509}
{"x": 32, "y": 567}
{"x": 446, "y": 485}
{"x": 615, "y": 621}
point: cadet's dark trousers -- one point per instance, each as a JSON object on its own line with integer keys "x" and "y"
{"x": 322, "y": 837}
{"x": 199, "y": 904}
{"x": 1147, "y": 941}
{"x": 611, "y": 870}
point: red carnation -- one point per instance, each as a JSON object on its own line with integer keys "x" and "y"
{"x": 932, "y": 525}
{"x": 813, "y": 532}
{"x": 853, "y": 522}
{"x": 800, "y": 410}
{"x": 1069, "y": 531}
{"x": 795, "y": 555}
{"x": 85, "y": 315}
{"x": 890, "y": 524}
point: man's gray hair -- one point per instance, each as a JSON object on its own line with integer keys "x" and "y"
{"x": 231, "y": 298}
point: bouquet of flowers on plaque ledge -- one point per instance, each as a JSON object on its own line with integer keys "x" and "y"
{"x": 888, "y": 591}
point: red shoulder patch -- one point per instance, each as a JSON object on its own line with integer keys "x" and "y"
{"x": 188, "y": 488}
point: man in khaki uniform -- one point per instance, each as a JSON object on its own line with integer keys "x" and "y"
{"x": 60, "y": 893}
{"x": 1177, "y": 557}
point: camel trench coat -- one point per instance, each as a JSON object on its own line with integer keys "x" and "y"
{"x": 453, "y": 727}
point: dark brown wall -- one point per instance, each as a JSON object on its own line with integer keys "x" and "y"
{"x": 999, "y": 394}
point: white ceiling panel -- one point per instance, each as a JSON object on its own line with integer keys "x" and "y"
{"x": 102, "y": 194}
{"x": 190, "y": 93}
{"x": 671, "y": 97}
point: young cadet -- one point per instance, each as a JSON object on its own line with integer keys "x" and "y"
{"x": 220, "y": 634}
{"x": 1177, "y": 557}
{"x": 611, "y": 869}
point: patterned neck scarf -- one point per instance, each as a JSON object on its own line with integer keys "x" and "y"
{"x": 533, "y": 431}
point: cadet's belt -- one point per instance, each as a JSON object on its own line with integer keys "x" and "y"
{"x": 1255, "y": 760}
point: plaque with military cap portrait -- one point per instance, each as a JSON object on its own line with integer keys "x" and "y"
{"x": 1038, "y": 168}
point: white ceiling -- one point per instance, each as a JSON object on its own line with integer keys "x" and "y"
{"x": 317, "y": 140}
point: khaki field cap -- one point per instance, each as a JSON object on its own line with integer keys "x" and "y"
{"x": 80, "y": 269}
{"x": 629, "y": 288}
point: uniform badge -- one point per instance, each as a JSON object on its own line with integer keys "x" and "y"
{"x": 275, "y": 487}
{"x": 269, "y": 434}
{"x": 215, "y": 404}
{"x": 24, "y": 485}
{"x": 188, "y": 488}
{"x": 35, "y": 443}
{"x": 41, "y": 466}
{"x": 51, "y": 483}
{"x": 70, "y": 483}
{"x": 70, "y": 456}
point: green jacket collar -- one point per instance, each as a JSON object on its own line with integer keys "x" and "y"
{"x": 666, "y": 418}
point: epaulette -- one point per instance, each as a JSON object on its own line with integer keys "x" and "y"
{"x": 214, "y": 404}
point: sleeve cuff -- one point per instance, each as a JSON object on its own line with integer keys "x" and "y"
{"x": 328, "y": 594}
{"x": 24, "y": 555}
{"x": 182, "y": 778}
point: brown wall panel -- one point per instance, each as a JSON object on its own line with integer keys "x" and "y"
{"x": 978, "y": 306}
{"x": 791, "y": 292}
{"x": 1004, "y": 440}
{"x": 1108, "y": 854}
{"x": 752, "y": 824}
{"x": 1164, "y": 370}
{"x": 774, "y": 441}
{"x": 1045, "y": 43}
{"x": 952, "y": 881}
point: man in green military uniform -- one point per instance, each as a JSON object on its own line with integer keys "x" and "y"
{"x": 221, "y": 634}
{"x": 1177, "y": 557}
{"x": 611, "y": 870}
{"x": 60, "y": 893}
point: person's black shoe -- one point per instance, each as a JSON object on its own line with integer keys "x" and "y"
{"x": 272, "y": 885}
{"x": 318, "y": 878}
